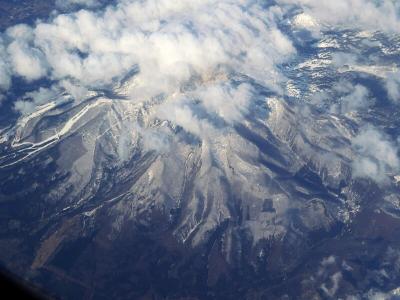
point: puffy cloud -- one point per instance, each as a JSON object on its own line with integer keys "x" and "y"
{"x": 335, "y": 280}
{"x": 31, "y": 100}
{"x": 226, "y": 101}
{"x": 82, "y": 46}
{"x": 189, "y": 37}
{"x": 184, "y": 116}
{"x": 186, "y": 51}
{"x": 363, "y": 14}
{"x": 198, "y": 110}
{"x": 26, "y": 61}
{"x": 344, "y": 97}
{"x": 376, "y": 155}
{"x": 355, "y": 98}
{"x": 42, "y": 95}
{"x": 392, "y": 85}
{"x": 77, "y": 91}
{"x": 25, "y": 107}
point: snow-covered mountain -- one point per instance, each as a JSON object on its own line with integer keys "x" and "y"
{"x": 229, "y": 179}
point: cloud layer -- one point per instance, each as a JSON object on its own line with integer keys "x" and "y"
{"x": 170, "y": 43}
{"x": 198, "y": 56}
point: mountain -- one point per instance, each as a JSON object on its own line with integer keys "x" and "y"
{"x": 294, "y": 195}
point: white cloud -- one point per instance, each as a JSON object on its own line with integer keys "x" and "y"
{"x": 78, "y": 92}
{"x": 361, "y": 14}
{"x": 25, "y": 107}
{"x": 225, "y": 100}
{"x": 376, "y": 155}
{"x": 335, "y": 280}
{"x": 183, "y": 115}
{"x": 393, "y": 87}
{"x": 355, "y": 98}
{"x": 187, "y": 53}
{"x": 31, "y": 100}
{"x": 173, "y": 45}
{"x": 5, "y": 72}
{"x": 26, "y": 60}
{"x": 42, "y": 95}
{"x": 341, "y": 59}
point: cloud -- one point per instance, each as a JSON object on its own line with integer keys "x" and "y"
{"x": 199, "y": 60}
{"x": 343, "y": 98}
{"x": 5, "y": 72}
{"x": 226, "y": 101}
{"x": 76, "y": 90}
{"x": 190, "y": 48}
{"x": 28, "y": 103}
{"x": 357, "y": 99}
{"x": 70, "y": 3}
{"x": 183, "y": 115}
{"x": 83, "y": 45}
{"x": 355, "y": 14}
{"x": 25, "y": 107}
{"x": 353, "y": 98}
{"x": 376, "y": 155}
{"x": 340, "y": 59}
{"x": 26, "y": 60}
{"x": 42, "y": 95}
{"x": 190, "y": 37}
{"x": 335, "y": 280}
{"x": 392, "y": 85}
